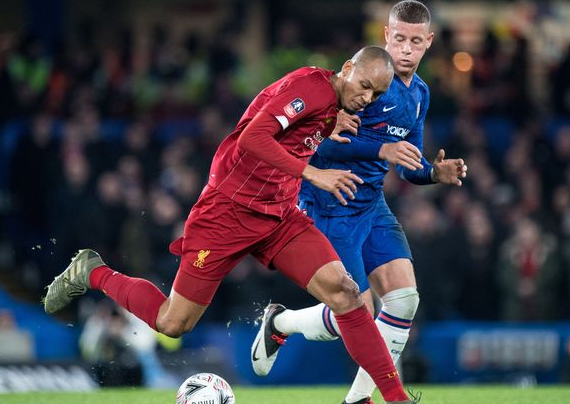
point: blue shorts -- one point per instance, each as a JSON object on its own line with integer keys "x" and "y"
{"x": 363, "y": 241}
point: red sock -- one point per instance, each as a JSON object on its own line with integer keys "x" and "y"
{"x": 137, "y": 295}
{"x": 367, "y": 347}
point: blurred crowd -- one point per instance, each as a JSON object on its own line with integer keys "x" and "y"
{"x": 108, "y": 148}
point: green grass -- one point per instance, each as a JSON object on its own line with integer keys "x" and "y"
{"x": 306, "y": 395}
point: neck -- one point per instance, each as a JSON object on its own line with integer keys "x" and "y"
{"x": 406, "y": 78}
{"x": 335, "y": 84}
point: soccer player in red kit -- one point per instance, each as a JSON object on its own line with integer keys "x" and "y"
{"x": 248, "y": 207}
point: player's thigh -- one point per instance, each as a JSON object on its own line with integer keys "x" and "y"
{"x": 310, "y": 261}
{"x": 302, "y": 255}
{"x": 217, "y": 236}
{"x": 387, "y": 257}
{"x": 347, "y": 235}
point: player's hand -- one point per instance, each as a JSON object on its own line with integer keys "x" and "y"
{"x": 337, "y": 182}
{"x": 449, "y": 171}
{"x": 338, "y": 138}
{"x": 403, "y": 153}
{"x": 345, "y": 122}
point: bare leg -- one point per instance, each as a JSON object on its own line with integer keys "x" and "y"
{"x": 178, "y": 315}
{"x": 332, "y": 286}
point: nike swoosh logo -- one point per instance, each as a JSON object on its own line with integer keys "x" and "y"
{"x": 385, "y": 109}
{"x": 254, "y": 356}
{"x": 396, "y": 342}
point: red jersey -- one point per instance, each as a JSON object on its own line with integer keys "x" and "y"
{"x": 305, "y": 104}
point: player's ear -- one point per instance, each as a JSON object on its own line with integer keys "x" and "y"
{"x": 429, "y": 39}
{"x": 347, "y": 67}
{"x": 386, "y": 33}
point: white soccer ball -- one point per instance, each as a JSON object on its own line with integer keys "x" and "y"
{"x": 205, "y": 388}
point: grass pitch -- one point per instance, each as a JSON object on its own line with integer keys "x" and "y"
{"x": 307, "y": 395}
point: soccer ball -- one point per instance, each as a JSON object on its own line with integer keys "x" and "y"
{"x": 205, "y": 388}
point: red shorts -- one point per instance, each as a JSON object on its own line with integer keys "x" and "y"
{"x": 219, "y": 233}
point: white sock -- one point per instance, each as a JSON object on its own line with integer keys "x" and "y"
{"x": 394, "y": 321}
{"x": 316, "y": 323}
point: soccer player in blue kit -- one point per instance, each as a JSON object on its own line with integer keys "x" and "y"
{"x": 364, "y": 232}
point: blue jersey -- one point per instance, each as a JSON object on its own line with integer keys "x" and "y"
{"x": 399, "y": 114}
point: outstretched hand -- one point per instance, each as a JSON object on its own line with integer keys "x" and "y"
{"x": 333, "y": 181}
{"x": 449, "y": 171}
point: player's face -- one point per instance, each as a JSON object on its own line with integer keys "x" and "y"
{"x": 407, "y": 43}
{"x": 363, "y": 83}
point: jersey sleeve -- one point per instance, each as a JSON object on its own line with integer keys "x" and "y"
{"x": 356, "y": 150}
{"x": 299, "y": 98}
{"x": 258, "y": 139}
{"x": 416, "y": 137}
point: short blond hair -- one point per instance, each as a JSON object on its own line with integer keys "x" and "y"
{"x": 411, "y": 11}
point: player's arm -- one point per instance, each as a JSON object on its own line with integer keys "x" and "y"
{"x": 444, "y": 171}
{"x": 423, "y": 176}
{"x": 258, "y": 139}
{"x": 341, "y": 146}
{"x": 402, "y": 153}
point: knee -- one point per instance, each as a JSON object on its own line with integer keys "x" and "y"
{"x": 173, "y": 327}
{"x": 345, "y": 295}
{"x": 404, "y": 302}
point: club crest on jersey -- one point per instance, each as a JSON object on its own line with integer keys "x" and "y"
{"x": 294, "y": 107}
{"x": 202, "y": 254}
{"x": 313, "y": 142}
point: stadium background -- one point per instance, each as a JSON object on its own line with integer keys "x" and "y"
{"x": 110, "y": 112}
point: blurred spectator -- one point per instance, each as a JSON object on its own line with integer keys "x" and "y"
{"x": 8, "y": 97}
{"x": 517, "y": 78}
{"x": 561, "y": 210}
{"x": 165, "y": 214}
{"x": 135, "y": 240}
{"x": 35, "y": 173}
{"x": 437, "y": 275}
{"x": 110, "y": 212}
{"x": 73, "y": 215}
{"x": 529, "y": 274}
{"x": 478, "y": 293}
{"x": 29, "y": 68}
{"x": 122, "y": 349}
{"x": 16, "y": 345}
{"x": 288, "y": 53}
{"x": 139, "y": 143}
{"x": 560, "y": 84}
{"x": 103, "y": 344}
